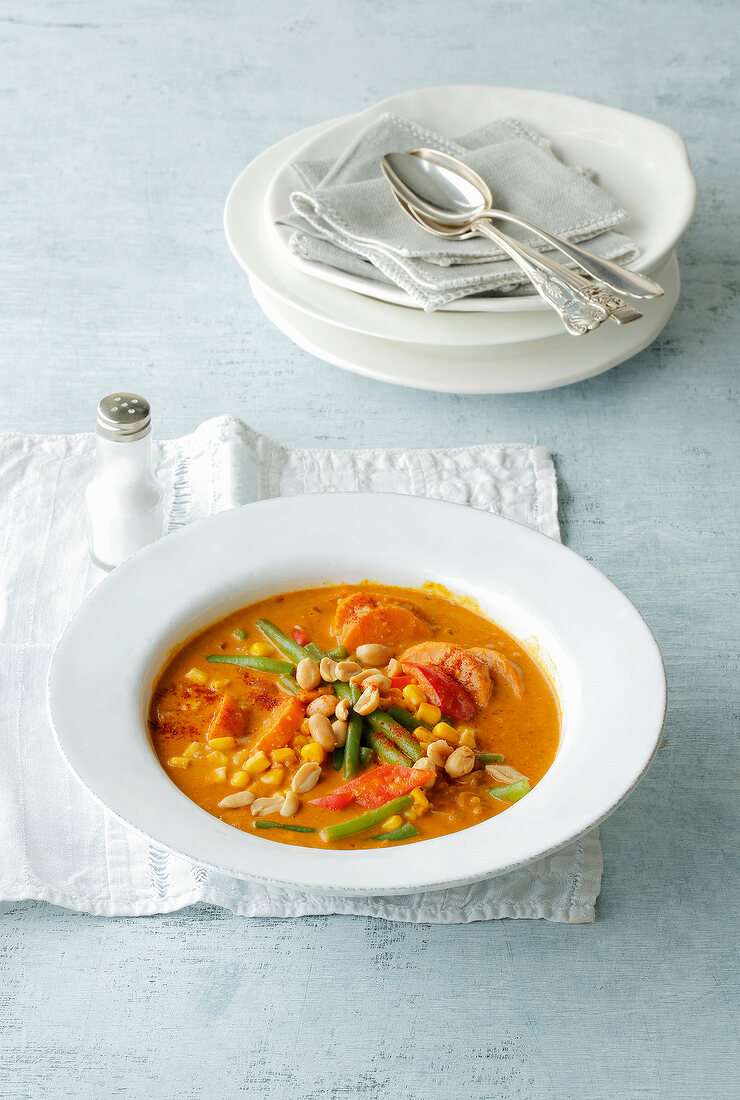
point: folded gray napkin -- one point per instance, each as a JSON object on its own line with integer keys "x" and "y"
{"x": 346, "y": 215}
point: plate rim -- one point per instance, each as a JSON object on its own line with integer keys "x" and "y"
{"x": 218, "y": 524}
{"x": 455, "y": 385}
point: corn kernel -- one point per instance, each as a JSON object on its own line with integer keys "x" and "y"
{"x": 413, "y": 695}
{"x": 428, "y": 713}
{"x": 239, "y": 779}
{"x": 421, "y": 801}
{"x": 446, "y": 732}
{"x": 192, "y": 749}
{"x": 411, "y": 814}
{"x": 239, "y": 757}
{"x": 217, "y": 757}
{"x": 274, "y": 777}
{"x": 222, "y": 743}
{"x": 218, "y": 685}
{"x": 195, "y": 676}
{"x": 299, "y": 741}
{"x": 467, "y": 737}
{"x": 282, "y": 756}
{"x": 262, "y": 649}
{"x": 392, "y": 823}
{"x": 313, "y": 752}
{"x": 219, "y": 775}
{"x": 257, "y": 763}
{"x": 421, "y": 733}
{"x": 305, "y": 730}
{"x": 178, "y": 761}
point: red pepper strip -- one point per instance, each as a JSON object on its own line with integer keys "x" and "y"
{"x": 401, "y": 682}
{"x": 444, "y": 692}
{"x": 300, "y": 636}
{"x": 376, "y": 787}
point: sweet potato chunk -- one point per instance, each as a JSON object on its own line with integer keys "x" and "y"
{"x": 360, "y": 619}
{"x": 456, "y": 662}
{"x": 284, "y": 723}
{"x": 228, "y": 721}
{"x": 348, "y": 610}
{"x": 496, "y": 663}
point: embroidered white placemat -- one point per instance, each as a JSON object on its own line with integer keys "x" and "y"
{"x": 56, "y": 843}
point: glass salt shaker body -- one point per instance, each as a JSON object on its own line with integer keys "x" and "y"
{"x": 124, "y": 499}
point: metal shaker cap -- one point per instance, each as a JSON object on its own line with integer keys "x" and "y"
{"x": 124, "y": 417}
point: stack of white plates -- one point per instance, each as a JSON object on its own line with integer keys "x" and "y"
{"x": 481, "y": 345}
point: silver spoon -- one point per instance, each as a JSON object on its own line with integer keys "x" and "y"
{"x": 451, "y": 193}
{"x": 619, "y": 310}
{"x": 576, "y": 310}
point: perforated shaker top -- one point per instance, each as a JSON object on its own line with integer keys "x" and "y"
{"x": 124, "y": 417}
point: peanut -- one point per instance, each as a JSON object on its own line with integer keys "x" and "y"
{"x": 306, "y": 778}
{"x": 345, "y": 670}
{"x": 340, "y": 733}
{"x": 368, "y": 701}
{"x": 307, "y": 674}
{"x": 460, "y": 762}
{"x": 235, "y": 801}
{"x": 290, "y": 804}
{"x": 325, "y": 704}
{"x": 372, "y": 654}
{"x": 269, "y": 805}
{"x": 322, "y": 732}
{"x": 438, "y": 751}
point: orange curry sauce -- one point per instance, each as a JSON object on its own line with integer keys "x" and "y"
{"x": 524, "y": 730}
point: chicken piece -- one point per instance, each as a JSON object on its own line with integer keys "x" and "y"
{"x": 496, "y": 663}
{"x": 361, "y": 619}
{"x": 459, "y": 663}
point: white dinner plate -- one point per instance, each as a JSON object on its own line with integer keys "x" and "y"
{"x": 605, "y": 664}
{"x": 513, "y": 368}
{"x": 253, "y": 241}
{"x": 644, "y": 166}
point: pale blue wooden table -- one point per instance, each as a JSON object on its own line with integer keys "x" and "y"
{"x": 124, "y": 126}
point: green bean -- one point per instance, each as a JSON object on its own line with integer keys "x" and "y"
{"x": 261, "y": 664}
{"x": 315, "y": 652}
{"x": 337, "y": 759}
{"x": 240, "y": 634}
{"x": 366, "y": 821}
{"x": 490, "y": 757}
{"x": 403, "y": 832}
{"x": 344, "y": 691}
{"x": 281, "y": 641}
{"x": 512, "y": 792}
{"x": 339, "y": 653}
{"x": 366, "y": 755}
{"x": 354, "y": 731}
{"x": 385, "y": 749}
{"x": 406, "y": 719}
{"x": 410, "y": 721}
{"x": 406, "y": 742}
{"x": 352, "y": 746}
{"x": 262, "y": 824}
{"x": 289, "y": 684}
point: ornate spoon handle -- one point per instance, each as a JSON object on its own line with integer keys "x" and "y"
{"x": 577, "y": 311}
{"x": 612, "y": 274}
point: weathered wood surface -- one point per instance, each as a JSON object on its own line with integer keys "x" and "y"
{"x": 123, "y": 127}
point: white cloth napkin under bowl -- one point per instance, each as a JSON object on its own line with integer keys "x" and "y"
{"x": 346, "y": 216}
{"x": 58, "y": 844}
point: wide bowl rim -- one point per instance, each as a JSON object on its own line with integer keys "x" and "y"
{"x": 185, "y": 829}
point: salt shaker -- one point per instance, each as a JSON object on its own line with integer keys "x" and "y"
{"x": 124, "y": 500}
